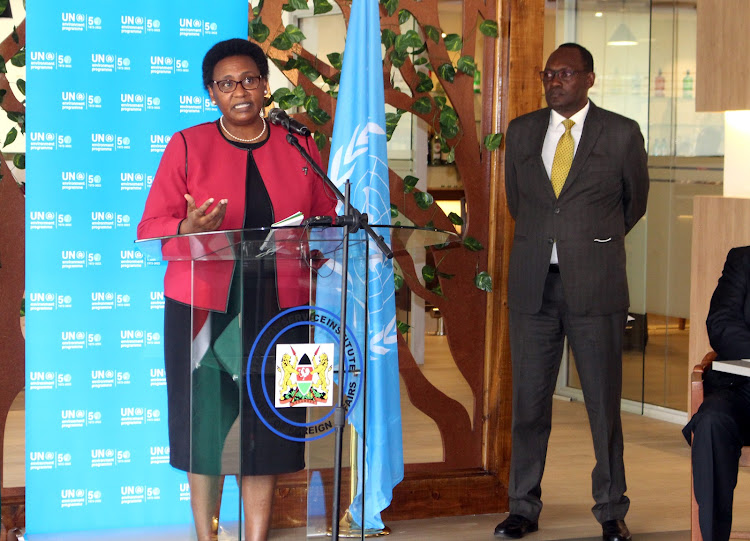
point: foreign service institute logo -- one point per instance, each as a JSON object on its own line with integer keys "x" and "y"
{"x": 303, "y": 375}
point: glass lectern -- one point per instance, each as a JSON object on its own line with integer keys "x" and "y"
{"x": 256, "y": 356}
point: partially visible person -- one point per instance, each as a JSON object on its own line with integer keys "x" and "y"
{"x": 576, "y": 181}
{"x": 237, "y": 172}
{"x": 721, "y": 426}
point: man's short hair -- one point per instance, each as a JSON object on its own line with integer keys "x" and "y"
{"x": 588, "y": 59}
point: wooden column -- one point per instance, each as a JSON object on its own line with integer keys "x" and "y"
{"x": 722, "y": 82}
{"x": 517, "y": 92}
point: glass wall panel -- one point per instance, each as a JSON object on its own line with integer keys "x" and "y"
{"x": 644, "y": 56}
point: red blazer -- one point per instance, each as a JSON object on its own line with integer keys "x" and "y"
{"x": 199, "y": 161}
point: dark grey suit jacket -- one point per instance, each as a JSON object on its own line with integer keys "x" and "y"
{"x": 604, "y": 196}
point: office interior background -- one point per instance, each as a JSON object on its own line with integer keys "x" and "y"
{"x": 645, "y": 64}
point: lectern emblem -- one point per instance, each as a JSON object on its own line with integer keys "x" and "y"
{"x": 303, "y": 375}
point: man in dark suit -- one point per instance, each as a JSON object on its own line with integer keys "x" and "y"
{"x": 722, "y": 424}
{"x": 574, "y": 189}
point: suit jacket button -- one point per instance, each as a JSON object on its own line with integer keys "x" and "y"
{"x": 551, "y": 240}
{"x": 557, "y": 210}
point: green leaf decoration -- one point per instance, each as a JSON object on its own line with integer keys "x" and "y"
{"x": 432, "y": 33}
{"x": 3, "y": 69}
{"x": 299, "y": 93}
{"x": 391, "y": 121}
{"x": 399, "y": 281}
{"x": 390, "y": 6}
{"x": 403, "y": 16}
{"x": 14, "y": 34}
{"x": 285, "y": 98}
{"x": 473, "y": 244}
{"x": 387, "y": 38}
{"x": 431, "y": 224}
{"x": 419, "y": 61}
{"x": 429, "y": 273}
{"x": 440, "y": 101}
{"x": 319, "y": 116}
{"x": 394, "y": 211}
{"x": 321, "y": 6}
{"x": 19, "y": 59}
{"x": 451, "y": 155}
{"x": 282, "y": 42}
{"x": 438, "y": 290}
{"x": 332, "y": 82}
{"x": 19, "y": 160}
{"x": 410, "y": 183}
{"x": 397, "y": 59}
{"x": 12, "y": 134}
{"x": 422, "y": 106}
{"x": 281, "y": 93}
{"x": 291, "y": 64}
{"x": 295, "y": 34}
{"x": 410, "y": 40}
{"x": 257, "y": 30}
{"x": 423, "y": 200}
{"x": 421, "y": 49}
{"x": 403, "y": 328}
{"x": 3, "y": 92}
{"x": 425, "y": 82}
{"x": 307, "y": 69}
{"x": 447, "y": 72}
{"x": 18, "y": 118}
{"x": 336, "y": 60}
{"x": 483, "y": 281}
{"x": 489, "y": 28}
{"x": 492, "y": 141}
{"x": 295, "y": 5}
{"x": 448, "y": 122}
{"x": 315, "y": 112}
{"x": 466, "y": 65}
{"x": 453, "y": 42}
{"x": 320, "y": 139}
{"x": 455, "y": 219}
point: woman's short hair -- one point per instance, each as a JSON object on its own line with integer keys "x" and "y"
{"x": 233, "y": 47}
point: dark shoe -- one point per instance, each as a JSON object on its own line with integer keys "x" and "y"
{"x": 615, "y": 530}
{"x": 515, "y": 527}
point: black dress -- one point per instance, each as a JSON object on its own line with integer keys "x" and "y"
{"x": 213, "y": 428}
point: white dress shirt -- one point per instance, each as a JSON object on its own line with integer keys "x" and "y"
{"x": 555, "y": 130}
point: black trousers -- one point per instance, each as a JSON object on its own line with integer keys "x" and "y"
{"x": 719, "y": 430}
{"x": 536, "y": 342}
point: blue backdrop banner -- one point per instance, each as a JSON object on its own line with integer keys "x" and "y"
{"x": 108, "y": 84}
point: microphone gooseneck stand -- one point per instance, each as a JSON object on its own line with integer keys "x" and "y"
{"x": 352, "y": 220}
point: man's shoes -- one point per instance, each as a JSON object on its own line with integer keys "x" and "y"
{"x": 515, "y": 527}
{"x": 615, "y": 530}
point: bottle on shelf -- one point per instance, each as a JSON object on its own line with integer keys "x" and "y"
{"x": 659, "y": 85}
{"x": 435, "y": 150}
{"x": 687, "y": 85}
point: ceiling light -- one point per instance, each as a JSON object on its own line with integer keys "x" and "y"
{"x": 622, "y": 36}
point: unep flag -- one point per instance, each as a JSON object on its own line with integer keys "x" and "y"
{"x": 358, "y": 154}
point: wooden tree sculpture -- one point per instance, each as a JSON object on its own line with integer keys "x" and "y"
{"x": 12, "y": 361}
{"x": 457, "y": 281}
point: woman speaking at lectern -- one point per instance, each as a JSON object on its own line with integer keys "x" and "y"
{"x": 238, "y": 172}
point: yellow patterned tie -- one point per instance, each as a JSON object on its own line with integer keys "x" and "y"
{"x": 563, "y": 158}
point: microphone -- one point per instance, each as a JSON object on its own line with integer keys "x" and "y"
{"x": 281, "y": 118}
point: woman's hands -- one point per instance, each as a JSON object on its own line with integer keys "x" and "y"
{"x": 198, "y": 220}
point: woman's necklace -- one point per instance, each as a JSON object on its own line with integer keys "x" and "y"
{"x": 263, "y": 131}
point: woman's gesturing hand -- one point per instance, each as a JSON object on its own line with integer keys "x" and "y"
{"x": 198, "y": 220}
